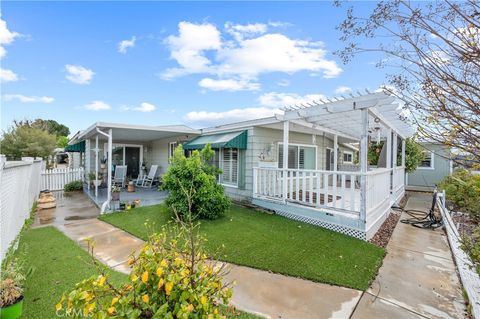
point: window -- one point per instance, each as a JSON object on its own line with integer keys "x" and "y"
{"x": 230, "y": 166}
{"x": 427, "y": 162}
{"x": 171, "y": 150}
{"x": 347, "y": 157}
{"x": 299, "y": 157}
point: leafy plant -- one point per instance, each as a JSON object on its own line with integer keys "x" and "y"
{"x": 12, "y": 281}
{"x": 116, "y": 189}
{"x": 195, "y": 172}
{"x": 413, "y": 154}
{"x": 27, "y": 141}
{"x": 73, "y": 186}
{"x": 463, "y": 189}
{"x": 91, "y": 176}
{"x": 471, "y": 245}
{"x": 171, "y": 278}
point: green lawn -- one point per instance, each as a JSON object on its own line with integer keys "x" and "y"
{"x": 274, "y": 243}
{"x": 58, "y": 263}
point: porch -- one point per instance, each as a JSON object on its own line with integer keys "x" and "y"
{"x": 147, "y": 196}
{"x": 352, "y": 202}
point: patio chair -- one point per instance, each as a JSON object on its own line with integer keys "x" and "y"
{"x": 147, "y": 181}
{"x": 119, "y": 176}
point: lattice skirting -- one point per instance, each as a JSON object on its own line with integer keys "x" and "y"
{"x": 283, "y": 210}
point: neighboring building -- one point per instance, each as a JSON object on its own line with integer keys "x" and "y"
{"x": 436, "y": 165}
{"x": 325, "y": 181}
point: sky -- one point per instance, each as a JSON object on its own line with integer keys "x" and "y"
{"x": 163, "y": 63}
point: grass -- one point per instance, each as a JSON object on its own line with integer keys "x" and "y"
{"x": 271, "y": 242}
{"x": 58, "y": 264}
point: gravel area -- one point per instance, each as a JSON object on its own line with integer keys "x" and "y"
{"x": 383, "y": 235}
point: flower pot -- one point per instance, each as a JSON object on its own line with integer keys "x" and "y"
{"x": 116, "y": 196}
{"x": 97, "y": 182}
{"x": 13, "y": 311}
{"x": 122, "y": 206}
{"x": 103, "y": 166}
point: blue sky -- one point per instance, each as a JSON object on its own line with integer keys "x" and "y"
{"x": 199, "y": 64}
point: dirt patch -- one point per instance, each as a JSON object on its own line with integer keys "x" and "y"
{"x": 382, "y": 237}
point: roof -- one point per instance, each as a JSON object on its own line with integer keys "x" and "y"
{"x": 144, "y": 133}
{"x": 221, "y": 140}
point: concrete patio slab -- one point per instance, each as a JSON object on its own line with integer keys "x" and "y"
{"x": 278, "y": 296}
{"x": 375, "y": 307}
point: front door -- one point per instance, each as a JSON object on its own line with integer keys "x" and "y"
{"x": 329, "y": 160}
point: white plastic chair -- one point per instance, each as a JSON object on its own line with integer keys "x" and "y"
{"x": 147, "y": 181}
{"x": 119, "y": 176}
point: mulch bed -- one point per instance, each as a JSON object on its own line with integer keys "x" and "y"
{"x": 382, "y": 237}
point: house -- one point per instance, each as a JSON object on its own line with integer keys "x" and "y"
{"x": 308, "y": 164}
{"x": 436, "y": 165}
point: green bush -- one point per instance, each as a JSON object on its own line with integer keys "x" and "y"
{"x": 73, "y": 186}
{"x": 195, "y": 175}
{"x": 463, "y": 189}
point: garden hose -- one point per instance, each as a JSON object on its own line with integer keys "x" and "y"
{"x": 421, "y": 219}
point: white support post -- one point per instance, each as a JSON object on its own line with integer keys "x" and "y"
{"x": 87, "y": 161}
{"x": 363, "y": 166}
{"x": 403, "y": 152}
{"x": 109, "y": 167}
{"x": 395, "y": 150}
{"x": 335, "y": 152}
{"x": 389, "y": 149}
{"x": 96, "y": 165}
{"x": 286, "y": 128}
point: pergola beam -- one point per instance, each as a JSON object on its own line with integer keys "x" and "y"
{"x": 374, "y": 112}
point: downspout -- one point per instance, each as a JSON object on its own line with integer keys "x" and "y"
{"x": 109, "y": 170}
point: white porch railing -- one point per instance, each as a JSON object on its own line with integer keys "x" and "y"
{"x": 378, "y": 190}
{"x": 55, "y": 179}
{"x": 315, "y": 188}
{"x": 398, "y": 180}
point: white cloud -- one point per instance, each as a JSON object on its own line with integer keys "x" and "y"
{"x": 97, "y": 106}
{"x": 231, "y": 116}
{"x": 125, "y": 44}
{"x": 28, "y": 99}
{"x": 144, "y": 107}
{"x": 251, "y": 53}
{"x": 8, "y": 76}
{"x": 241, "y": 31}
{"x": 228, "y": 85}
{"x": 277, "y": 100}
{"x": 6, "y": 37}
{"x": 188, "y": 48}
{"x": 343, "y": 90}
{"x": 283, "y": 82}
{"x": 78, "y": 74}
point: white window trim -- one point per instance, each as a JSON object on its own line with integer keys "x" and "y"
{"x": 432, "y": 162}
{"x": 347, "y": 162}
{"x": 233, "y": 185}
{"x": 169, "y": 149}
{"x": 280, "y": 144}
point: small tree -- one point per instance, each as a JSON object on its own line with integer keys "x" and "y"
{"x": 27, "y": 141}
{"x": 413, "y": 154}
{"x": 195, "y": 172}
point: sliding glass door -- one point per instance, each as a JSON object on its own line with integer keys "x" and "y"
{"x": 126, "y": 154}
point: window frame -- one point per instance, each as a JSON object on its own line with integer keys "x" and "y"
{"x": 432, "y": 161}
{"x": 170, "y": 151}
{"x": 347, "y": 153}
{"x": 221, "y": 162}
{"x": 280, "y": 145}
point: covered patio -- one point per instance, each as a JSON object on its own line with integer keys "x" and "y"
{"x": 353, "y": 202}
{"x": 136, "y": 147}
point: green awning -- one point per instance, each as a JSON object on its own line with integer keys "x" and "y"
{"x": 78, "y": 147}
{"x": 221, "y": 140}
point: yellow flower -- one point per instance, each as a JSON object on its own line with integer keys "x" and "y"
{"x": 128, "y": 287}
{"x": 159, "y": 271}
{"x": 203, "y": 300}
{"x": 190, "y": 308}
{"x": 160, "y": 283}
{"x": 178, "y": 261}
{"x": 215, "y": 311}
{"x": 58, "y": 306}
{"x": 133, "y": 277}
{"x": 131, "y": 261}
{"x": 101, "y": 281}
{"x": 168, "y": 287}
{"x": 145, "y": 277}
{"x": 145, "y": 298}
{"x": 111, "y": 310}
{"x": 114, "y": 301}
{"x": 88, "y": 297}
{"x": 163, "y": 263}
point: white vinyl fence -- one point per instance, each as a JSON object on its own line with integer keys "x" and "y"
{"x": 55, "y": 179}
{"x": 469, "y": 277}
{"x": 19, "y": 188}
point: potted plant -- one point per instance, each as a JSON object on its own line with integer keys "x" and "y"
{"x": 123, "y": 205}
{"x": 93, "y": 180}
{"x": 103, "y": 163}
{"x": 116, "y": 192}
{"x": 11, "y": 289}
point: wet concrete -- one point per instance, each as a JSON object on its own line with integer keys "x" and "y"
{"x": 418, "y": 277}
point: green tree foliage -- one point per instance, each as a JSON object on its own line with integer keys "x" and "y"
{"x": 51, "y": 126}
{"x": 413, "y": 154}
{"x": 195, "y": 174}
{"x": 62, "y": 141}
{"x": 27, "y": 141}
{"x": 463, "y": 189}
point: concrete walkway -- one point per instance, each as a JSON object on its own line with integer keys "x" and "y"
{"x": 418, "y": 278}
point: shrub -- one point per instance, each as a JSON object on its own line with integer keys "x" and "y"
{"x": 471, "y": 245}
{"x": 463, "y": 189}
{"x": 12, "y": 280}
{"x": 73, "y": 186}
{"x": 197, "y": 175}
{"x": 171, "y": 278}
